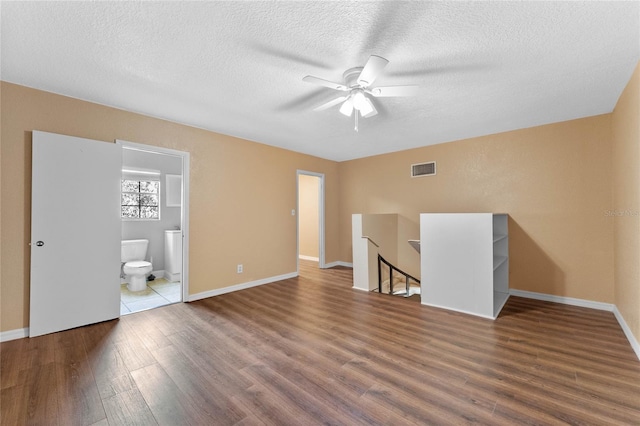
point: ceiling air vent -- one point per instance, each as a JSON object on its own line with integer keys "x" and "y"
{"x": 423, "y": 169}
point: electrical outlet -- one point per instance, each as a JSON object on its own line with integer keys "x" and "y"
{"x": 240, "y": 268}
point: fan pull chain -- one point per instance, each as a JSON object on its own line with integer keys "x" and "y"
{"x": 356, "y": 114}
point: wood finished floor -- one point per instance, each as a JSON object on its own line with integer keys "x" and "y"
{"x": 311, "y": 350}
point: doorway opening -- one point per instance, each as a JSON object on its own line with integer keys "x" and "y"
{"x": 310, "y": 224}
{"x": 154, "y": 214}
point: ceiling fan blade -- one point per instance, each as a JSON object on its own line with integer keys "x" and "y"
{"x": 371, "y": 70}
{"x": 325, "y": 83}
{"x": 390, "y": 91}
{"x": 329, "y": 104}
{"x": 372, "y": 110}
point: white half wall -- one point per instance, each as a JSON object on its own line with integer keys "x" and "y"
{"x": 365, "y": 257}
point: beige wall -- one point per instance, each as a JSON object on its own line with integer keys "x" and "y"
{"x": 236, "y": 216}
{"x": 308, "y": 195}
{"x": 554, "y": 181}
{"x": 391, "y": 233}
{"x": 382, "y": 229}
{"x": 408, "y": 257}
{"x": 626, "y": 202}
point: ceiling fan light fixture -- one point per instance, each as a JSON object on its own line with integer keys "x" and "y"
{"x": 359, "y": 100}
{"x": 367, "y": 108}
{"x": 347, "y": 107}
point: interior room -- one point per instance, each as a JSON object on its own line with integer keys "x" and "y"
{"x": 527, "y": 110}
{"x": 309, "y": 214}
{"x": 159, "y": 228}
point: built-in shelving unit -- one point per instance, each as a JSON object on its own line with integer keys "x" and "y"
{"x": 465, "y": 262}
{"x": 500, "y": 262}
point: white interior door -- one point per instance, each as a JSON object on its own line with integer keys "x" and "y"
{"x": 75, "y": 232}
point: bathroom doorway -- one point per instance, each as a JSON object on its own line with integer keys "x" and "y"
{"x": 310, "y": 224}
{"x": 154, "y": 215}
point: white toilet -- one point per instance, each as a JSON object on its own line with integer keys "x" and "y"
{"x": 135, "y": 267}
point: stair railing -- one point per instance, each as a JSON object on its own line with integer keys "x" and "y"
{"x": 392, "y": 268}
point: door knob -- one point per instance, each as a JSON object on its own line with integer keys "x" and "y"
{"x": 40, "y": 243}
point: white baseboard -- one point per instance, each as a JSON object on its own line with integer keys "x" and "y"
{"x": 171, "y": 277}
{"x": 242, "y": 286}
{"x": 19, "y": 333}
{"x": 462, "y": 311}
{"x": 627, "y": 331}
{"x": 338, "y": 263}
{"x": 562, "y": 299}
{"x": 314, "y": 259}
{"x": 585, "y": 304}
{"x": 358, "y": 288}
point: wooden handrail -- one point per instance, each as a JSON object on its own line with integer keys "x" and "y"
{"x": 371, "y": 241}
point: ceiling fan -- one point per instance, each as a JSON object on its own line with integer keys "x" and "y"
{"x": 357, "y": 84}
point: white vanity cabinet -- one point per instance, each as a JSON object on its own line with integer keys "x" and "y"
{"x": 465, "y": 262}
{"x": 172, "y": 254}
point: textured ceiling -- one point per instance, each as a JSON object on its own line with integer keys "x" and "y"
{"x": 237, "y": 67}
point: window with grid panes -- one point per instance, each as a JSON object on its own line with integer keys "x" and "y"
{"x": 140, "y": 199}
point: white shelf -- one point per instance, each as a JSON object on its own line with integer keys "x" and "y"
{"x": 499, "y": 300}
{"x": 498, "y": 260}
{"x": 497, "y": 238}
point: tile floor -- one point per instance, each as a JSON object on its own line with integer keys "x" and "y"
{"x": 159, "y": 292}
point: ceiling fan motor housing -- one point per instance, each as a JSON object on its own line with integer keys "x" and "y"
{"x": 351, "y": 75}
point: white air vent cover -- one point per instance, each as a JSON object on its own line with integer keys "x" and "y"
{"x": 423, "y": 169}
